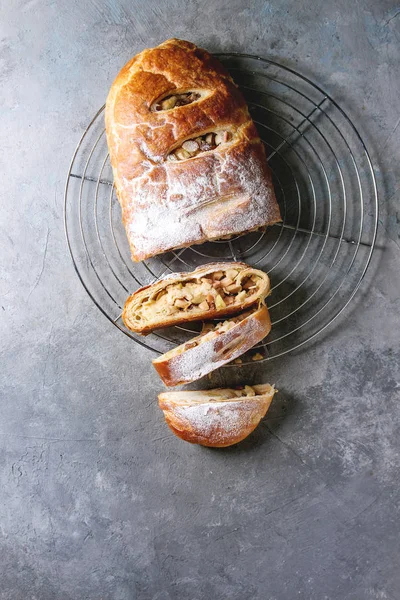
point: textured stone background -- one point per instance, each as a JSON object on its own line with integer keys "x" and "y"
{"x": 97, "y": 499}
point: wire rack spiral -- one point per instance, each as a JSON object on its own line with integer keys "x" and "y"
{"x": 316, "y": 258}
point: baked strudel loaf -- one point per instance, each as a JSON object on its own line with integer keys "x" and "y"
{"x": 187, "y": 160}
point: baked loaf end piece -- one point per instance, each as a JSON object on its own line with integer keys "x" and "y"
{"x": 208, "y": 292}
{"x": 217, "y": 345}
{"x": 216, "y": 418}
{"x": 187, "y": 160}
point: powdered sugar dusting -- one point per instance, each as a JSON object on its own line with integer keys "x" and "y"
{"x": 204, "y": 358}
{"x": 169, "y": 206}
{"x": 219, "y": 422}
{"x": 217, "y": 418}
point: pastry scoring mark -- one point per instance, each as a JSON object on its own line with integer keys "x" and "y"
{"x": 200, "y": 144}
{"x": 176, "y": 99}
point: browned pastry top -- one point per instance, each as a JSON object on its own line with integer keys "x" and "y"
{"x": 172, "y": 203}
{"x": 175, "y": 65}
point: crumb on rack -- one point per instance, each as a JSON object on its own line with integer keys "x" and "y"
{"x": 238, "y": 361}
{"x": 257, "y": 356}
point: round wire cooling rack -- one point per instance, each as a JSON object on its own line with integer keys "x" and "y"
{"x": 316, "y": 258}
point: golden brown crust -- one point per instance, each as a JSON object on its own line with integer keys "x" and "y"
{"x": 215, "y": 418}
{"x": 139, "y": 324}
{"x": 185, "y": 365}
{"x": 173, "y": 204}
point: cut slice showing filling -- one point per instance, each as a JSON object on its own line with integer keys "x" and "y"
{"x": 215, "y": 292}
{"x": 209, "y": 332}
{"x": 216, "y": 418}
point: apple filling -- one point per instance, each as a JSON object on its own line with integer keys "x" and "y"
{"x": 214, "y": 292}
{"x": 189, "y": 398}
{"x": 200, "y": 144}
{"x": 175, "y": 100}
{"x": 247, "y": 390}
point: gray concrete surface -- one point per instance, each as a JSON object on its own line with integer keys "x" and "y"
{"x": 97, "y": 499}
